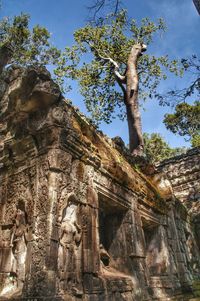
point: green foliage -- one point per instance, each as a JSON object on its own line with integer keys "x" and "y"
{"x": 157, "y": 149}
{"x": 191, "y": 67}
{"x": 26, "y": 46}
{"x": 89, "y": 61}
{"x": 195, "y": 140}
{"x": 185, "y": 121}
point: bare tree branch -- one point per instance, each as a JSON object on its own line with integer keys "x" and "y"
{"x": 95, "y": 8}
{"x": 98, "y": 6}
{"x": 120, "y": 84}
{"x": 120, "y": 77}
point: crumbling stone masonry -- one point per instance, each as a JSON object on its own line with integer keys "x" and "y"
{"x": 184, "y": 174}
{"x": 77, "y": 220}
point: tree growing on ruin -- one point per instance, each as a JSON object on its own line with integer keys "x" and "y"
{"x": 109, "y": 61}
{"x": 185, "y": 121}
{"x": 157, "y": 149}
{"x": 22, "y": 46}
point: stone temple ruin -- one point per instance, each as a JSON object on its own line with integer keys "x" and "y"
{"x": 78, "y": 219}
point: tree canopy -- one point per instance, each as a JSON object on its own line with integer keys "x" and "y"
{"x": 104, "y": 46}
{"x": 185, "y": 121}
{"x": 21, "y": 45}
{"x": 99, "y": 60}
{"x": 157, "y": 149}
{"x": 191, "y": 68}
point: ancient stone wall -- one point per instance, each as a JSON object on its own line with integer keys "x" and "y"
{"x": 77, "y": 220}
{"x": 184, "y": 174}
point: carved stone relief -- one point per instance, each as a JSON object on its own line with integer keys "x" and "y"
{"x": 13, "y": 250}
{"x": 69, "y": 253}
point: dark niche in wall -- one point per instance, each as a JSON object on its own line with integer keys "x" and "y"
{"x": 156, "y": 257}
{"x": 111, "y": 231}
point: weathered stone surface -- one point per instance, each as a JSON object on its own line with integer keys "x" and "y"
{"x": 184, "y": 174}
{"x": 77, "y": 220}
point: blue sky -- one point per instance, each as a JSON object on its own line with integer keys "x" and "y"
{"x": 182, "y": 39}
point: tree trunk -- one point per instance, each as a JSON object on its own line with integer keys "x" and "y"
{"x": 136, "y": 144}
{"x": 5, "y": 56}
